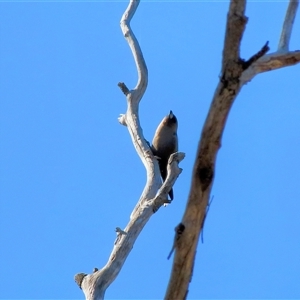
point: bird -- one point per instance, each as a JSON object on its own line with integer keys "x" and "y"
{"x": 164, "y": 143}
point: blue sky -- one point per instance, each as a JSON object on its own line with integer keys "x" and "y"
{"x": 70, "y": 175}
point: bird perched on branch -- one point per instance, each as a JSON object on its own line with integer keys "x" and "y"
{"x": 165, "y": 142}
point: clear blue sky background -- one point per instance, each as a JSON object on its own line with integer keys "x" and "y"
{"x": 70, "y": 175}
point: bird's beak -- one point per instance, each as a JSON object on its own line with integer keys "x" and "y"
{"x": 171, "y": 115}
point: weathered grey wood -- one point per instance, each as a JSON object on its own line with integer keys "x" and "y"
{"x": 287, "y": 27}
{"x": 270, "y": 62}
{"x": 154, "y": 194}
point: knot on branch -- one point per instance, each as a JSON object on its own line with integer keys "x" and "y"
{"x": 205, "y": 174}
{"x": 231, "y": 77}
{"x": 119, "y": 231}
{"x": 79, "y": 278}
{"x": 122, "y": 120}
{"x": 238, "y": 20}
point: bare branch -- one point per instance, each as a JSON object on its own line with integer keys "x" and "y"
{"x": 94, "y": 285}
{"x": 283, "y": 57}
{"x": 135, "y": 47}
{"x": 231, "y": 82}
{"x": 287, "y": 27}
{"x": 120, "y": 231}
{"x": 202, "y": 180}
{"x": 236, "y": 22}
{"x": 235, "y": 72}
{"x": 270, "y": 62}
{"x": 123, "y": 88}
{"x": 122, "y": 120}
{"x": 210, "y": 142}
{"x": 173, "y": 172}
{"x": 256, "y": 56}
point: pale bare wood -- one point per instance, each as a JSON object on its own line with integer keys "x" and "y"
{"x": 270, "y": 62}
{"x": 154, "y": 194}
{"x": 287, "y": 26}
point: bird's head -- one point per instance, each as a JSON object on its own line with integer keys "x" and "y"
{"x": 171, "y": 120}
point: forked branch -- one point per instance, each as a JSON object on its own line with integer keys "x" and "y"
{"x": 282, "y": 57}
{"x": 235, "y": 73}
{"x": 269, "y": 62}
{"x": 94, "y": 285}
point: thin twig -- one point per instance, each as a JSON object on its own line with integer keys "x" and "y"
{"x": 123, "y": 88}
{"x": 255, "y": 57}
{"x": 206, "y": 213}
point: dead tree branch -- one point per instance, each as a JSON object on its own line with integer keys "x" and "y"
{"x": 235, "y": 26}
{"x": 287, "y": 27}
{"x": 209, "y": 145}
{"x": 256, "y": 56}
{"x": 95, "y": 284}
{"x": 233, "y": 76}
{"x": 282, "y": 57}
{"x": 269, "y": 62}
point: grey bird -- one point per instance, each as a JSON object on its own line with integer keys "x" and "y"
{"x": 165, "y": 142}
